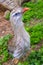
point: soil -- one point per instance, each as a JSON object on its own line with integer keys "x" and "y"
{"x": 5, "y": 27}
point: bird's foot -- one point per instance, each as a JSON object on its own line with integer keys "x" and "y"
{"x": 15, "y": 61}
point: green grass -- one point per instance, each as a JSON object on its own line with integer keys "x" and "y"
{"x": 35, "y": 12}
{"x": 4, "y": 55}
{"x": 36, "y": 33}
{"x": 35, "y": 58}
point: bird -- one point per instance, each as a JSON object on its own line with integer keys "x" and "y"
{"x": 22, "y": 43}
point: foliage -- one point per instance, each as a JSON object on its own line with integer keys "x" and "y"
{"x": 7, "y": 15}
{"x": 35, "y": 12}
{"x": 3, "y": 48}
{"x": 36, "y": 33}
{"x": 35, "y": 58}
{"x": 39, "y": 0}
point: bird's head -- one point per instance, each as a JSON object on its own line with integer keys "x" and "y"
{"x": 16, "y": 14}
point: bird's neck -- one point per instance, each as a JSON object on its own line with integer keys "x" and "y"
{"x": 17, "y": 26}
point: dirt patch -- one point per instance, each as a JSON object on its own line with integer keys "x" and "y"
{"x": 5, "y": 27}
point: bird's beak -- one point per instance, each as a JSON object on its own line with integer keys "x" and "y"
{"x": 25, "y": 9}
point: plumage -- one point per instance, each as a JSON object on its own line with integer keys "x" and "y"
{"x": 22, "y": 37}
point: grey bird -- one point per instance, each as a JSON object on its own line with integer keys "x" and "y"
{"x": 22, "y": 43}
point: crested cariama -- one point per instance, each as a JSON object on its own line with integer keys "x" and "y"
{"x": 22, "y": 42}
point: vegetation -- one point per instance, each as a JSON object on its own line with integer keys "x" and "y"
{"x": 35, "y": 58}
{"x": 7, "y": 15}
{"x": 36, "y": 33}
{"x": 35, "y": 12}
{"x": 3, "y": 48}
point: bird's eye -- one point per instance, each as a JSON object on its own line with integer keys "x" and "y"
{"x": 17, "y": 14}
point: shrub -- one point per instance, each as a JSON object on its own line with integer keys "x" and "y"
{"x": 36, "y": 33}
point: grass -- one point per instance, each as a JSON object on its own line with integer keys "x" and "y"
{"x": 35, "y": 58}
{"x": 35, "y": 12}
{"x": 36, "y": 33}
{"x": 4, "y": 55}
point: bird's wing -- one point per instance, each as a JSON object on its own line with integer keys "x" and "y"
{"x": 26, "y": 38}
{"x": 25, "y": 34}
{"x": 22, "y": 46}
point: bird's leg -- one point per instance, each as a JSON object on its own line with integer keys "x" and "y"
{"x": 14, "y": 61}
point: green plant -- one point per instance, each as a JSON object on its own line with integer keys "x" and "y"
{"x": 35, "y": 58}
{"x": 36, "y": 33}
{"x": 3, "y": 48}
{"x": 35, "y": 12}
{"x": 7, "y": 15}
